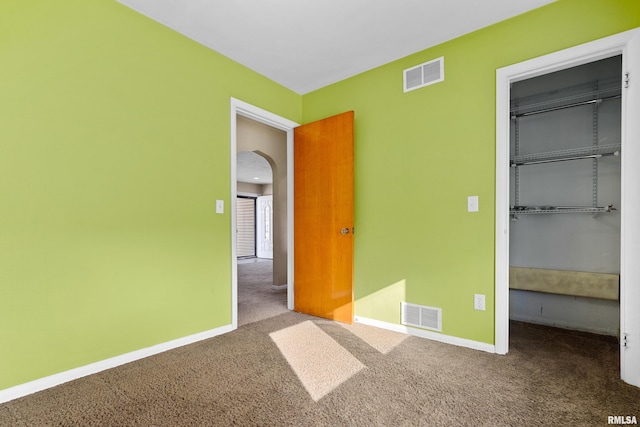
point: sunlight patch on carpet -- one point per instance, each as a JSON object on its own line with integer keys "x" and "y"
{"x": 382, "y": 340}
{"x": 320, "y": 363}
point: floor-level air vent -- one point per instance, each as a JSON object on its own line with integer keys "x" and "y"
{"x": 424, "y": 74}
{"x": 422, "y": 316}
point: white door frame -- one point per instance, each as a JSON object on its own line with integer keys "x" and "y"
{"x": 618, "y": 44}
{"x": 263, "y": 116}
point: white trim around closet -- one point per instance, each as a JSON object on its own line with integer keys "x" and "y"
{"x": 629, "y": 273}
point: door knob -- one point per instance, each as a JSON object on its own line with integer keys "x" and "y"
{"x": 344, "y": 231}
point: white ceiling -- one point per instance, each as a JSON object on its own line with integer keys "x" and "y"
{"x": 307, "y": 44}
{"x": 253, "y": 168}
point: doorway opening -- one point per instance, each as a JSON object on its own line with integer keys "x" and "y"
{"x": 261, "y": 287}
{"x": 622, "y": 47}
{"x": 564, "y": 247}
{"x": 255, "y": 193}
{"x": 270, "y": 138}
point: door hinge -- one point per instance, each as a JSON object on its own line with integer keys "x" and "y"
{"x": 625, "y": 340}
{"x": 626, "y": 80}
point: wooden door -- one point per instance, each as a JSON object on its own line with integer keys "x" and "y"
{"x": 323, "y": 218}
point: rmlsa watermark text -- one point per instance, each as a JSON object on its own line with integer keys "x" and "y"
{"x": 622, "y": 419}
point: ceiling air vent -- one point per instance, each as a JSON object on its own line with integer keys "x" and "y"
{"x": 424, "y": 74}
{"x": 422, "y": 316}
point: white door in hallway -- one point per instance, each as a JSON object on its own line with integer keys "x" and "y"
{"x": 264, "y": 227}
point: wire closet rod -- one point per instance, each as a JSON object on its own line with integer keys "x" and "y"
{"x": 536, "y": 210}
{"x": 562, "y": 107}
{"x": 589, "y": 156}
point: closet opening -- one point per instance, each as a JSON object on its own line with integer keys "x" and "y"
{"x": 565, "y": 198}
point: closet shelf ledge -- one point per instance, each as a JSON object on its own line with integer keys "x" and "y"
{"x": 540, "y": 210}
{"x": 590, "y": 152}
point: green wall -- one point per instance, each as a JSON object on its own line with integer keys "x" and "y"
{"x": 114, "y": 146}
{"x": 420, "y": 154}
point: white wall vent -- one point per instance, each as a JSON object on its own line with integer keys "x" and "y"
{"x": 424, "y": 74}
{"x": 422, "y": 316}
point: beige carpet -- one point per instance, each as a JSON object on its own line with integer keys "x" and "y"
{"x": 361, "y": 376}
{"x": 307, "y": 348}
{"x": 258, "y": 299}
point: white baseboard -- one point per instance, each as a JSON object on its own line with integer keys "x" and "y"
{"x": 434, "y": 336}
{"x": 93, "y": 368}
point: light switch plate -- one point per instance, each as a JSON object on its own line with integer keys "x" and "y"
{"x": 219, "y": 206}
{"x": 472, "y": 204}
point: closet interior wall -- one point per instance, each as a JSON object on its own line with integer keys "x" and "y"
{"x": 582, "y": 242}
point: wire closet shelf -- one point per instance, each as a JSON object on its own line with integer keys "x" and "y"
{"x": 594, "y": 94}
